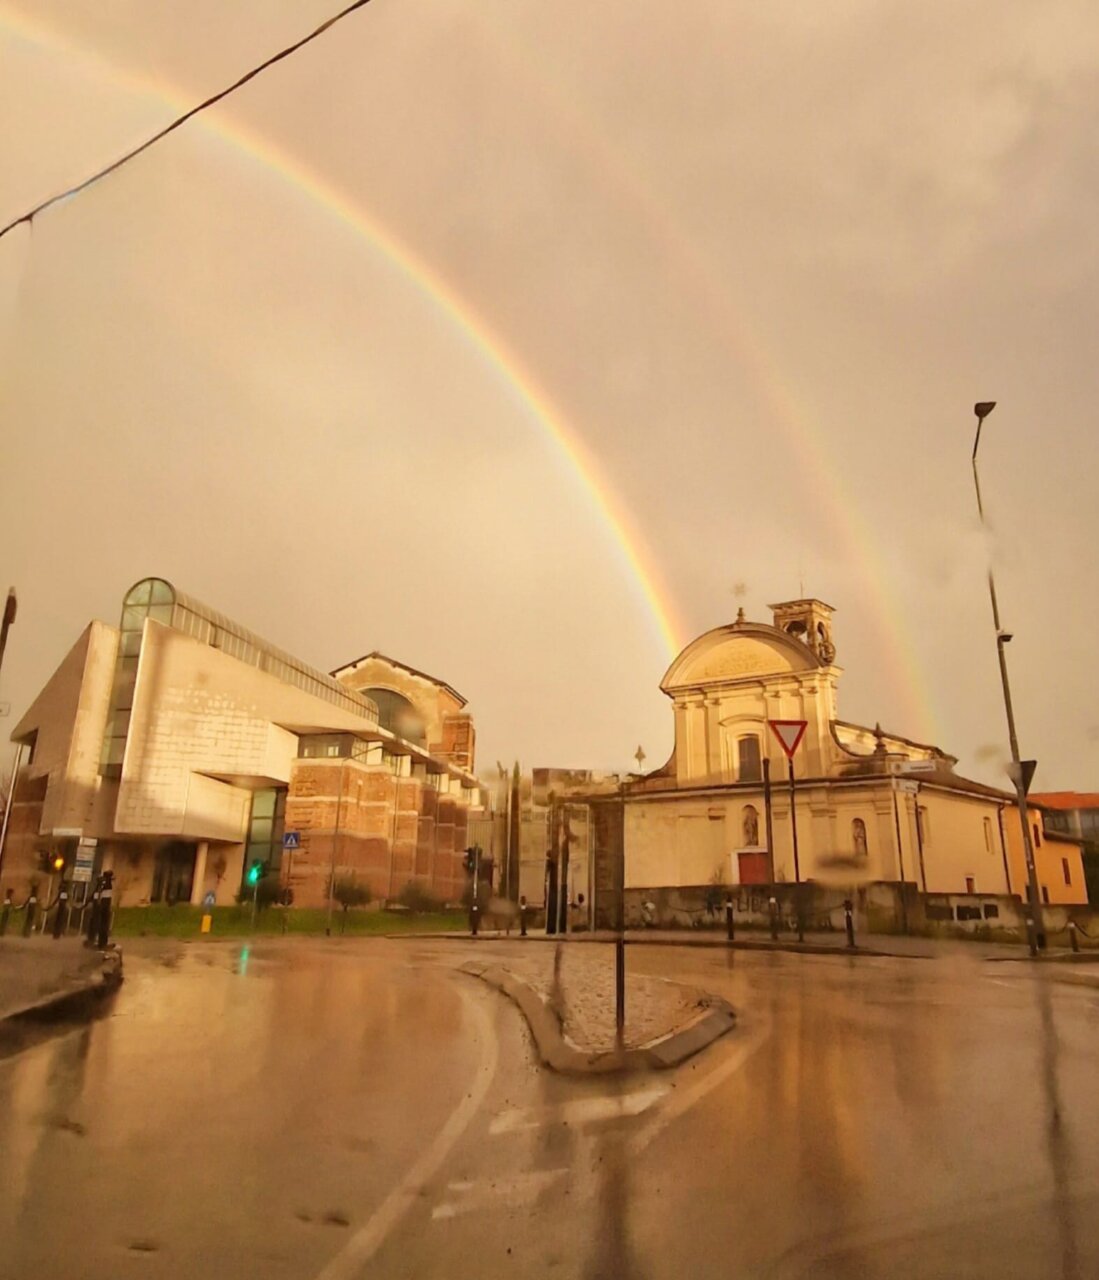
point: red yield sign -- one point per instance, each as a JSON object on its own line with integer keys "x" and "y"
{"x": 789, "y": 733}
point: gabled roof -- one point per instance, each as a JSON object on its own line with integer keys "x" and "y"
{"x": 937, "y": 752}
{"x": 1066, "y": 799}
{"x": 412, "y": 671}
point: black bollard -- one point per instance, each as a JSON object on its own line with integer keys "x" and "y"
{"x": 729, "y": 933}
{"x": 1073, "y": 939}
{"x": 59, "y": 914}
{"x": 31, "y": 908}
{"x": 773, "y": 906}
{"x": 474, "y": 912}
{"x": 522, "y": 917}
{"x": 104, "y": 925}
{"x": 5, "y": 912}
{"x": 849, "y": 921}
{"x": 91, "y": 927}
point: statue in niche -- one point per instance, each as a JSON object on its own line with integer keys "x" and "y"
{"x": 858, "y": 832}
{"x": 751, "y": 826}
{"x": 825, "y": 648}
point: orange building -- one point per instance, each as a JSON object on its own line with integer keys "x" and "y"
{"x": 1058, "y": 858}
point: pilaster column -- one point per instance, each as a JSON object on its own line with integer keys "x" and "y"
{"x": 198, "y": 884}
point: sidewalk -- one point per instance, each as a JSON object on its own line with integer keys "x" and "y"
{"x": 40, "y": 972}
{"x": 829, "y": 944}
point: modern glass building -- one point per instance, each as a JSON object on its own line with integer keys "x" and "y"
{"x": 185, "y": 746}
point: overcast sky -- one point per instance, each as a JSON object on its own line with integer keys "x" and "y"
{"x": 761, "y": 260}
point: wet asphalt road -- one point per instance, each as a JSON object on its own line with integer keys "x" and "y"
{"x": 329, "y": 1110}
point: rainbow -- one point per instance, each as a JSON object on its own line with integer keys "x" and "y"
{"x": 808, "y": 444}
{"x": 806, "y": 440}
{"x": 627, "y": 538}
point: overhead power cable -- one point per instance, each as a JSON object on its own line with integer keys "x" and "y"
{"x": 31, "y": 214}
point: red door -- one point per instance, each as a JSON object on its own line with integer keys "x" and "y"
{"x": 753, "y": 867}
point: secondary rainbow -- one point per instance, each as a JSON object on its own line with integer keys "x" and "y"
{"x": 811, "y": 453}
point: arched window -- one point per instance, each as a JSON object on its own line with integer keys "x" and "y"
{"x": 751, "y": 826}
{"x": 858, "y": 836}
{"x": 397, "y": 714}
{"x": 748, "y": 761}
{"x": 150, "y": 598}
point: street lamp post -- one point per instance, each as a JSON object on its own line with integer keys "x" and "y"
{"x": 6, "y": 621}
{"x": 335, "y": 845}
{"x": 1035, "y": 932}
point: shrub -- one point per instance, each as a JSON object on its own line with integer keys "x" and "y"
{"x": 268, "y": 892}
{"x": 348, "y": 892}
{"x": 416, "y": 898}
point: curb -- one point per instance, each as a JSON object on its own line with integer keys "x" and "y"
{"x": 76, "y": 1000}
{"x": 747, "y": 944}
{"x": 558, "y": 1054}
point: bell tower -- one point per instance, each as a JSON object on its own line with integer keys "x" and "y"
{"x": 809, "y": 621}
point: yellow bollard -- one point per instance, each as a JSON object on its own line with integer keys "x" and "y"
{"x": 207, "y": 920}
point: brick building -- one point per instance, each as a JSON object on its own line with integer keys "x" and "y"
{"x": 184, "y": 747}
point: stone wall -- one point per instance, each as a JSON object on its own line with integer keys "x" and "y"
{"x": 383, "y": 830}
{"x": 877, "y": 910}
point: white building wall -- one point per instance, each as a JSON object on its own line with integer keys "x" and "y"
{"x": 198, "y": 711}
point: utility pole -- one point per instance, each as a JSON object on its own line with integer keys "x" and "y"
{"x": 11, "y": 797}
{"x": 1020, "y": 776}
{"x": 9, "y": 618}
{"x": 619, "y": 827}
{"x": 769, "y": 817}
{"x": 789, "y": 734}
{"x": 515, "y": 844}
{"x": 900, "y": 854}
{"x": 797, "y": 865}
{"x": 332, "y": 866}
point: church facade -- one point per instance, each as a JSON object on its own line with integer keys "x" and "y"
{"x": 871, "y": 806}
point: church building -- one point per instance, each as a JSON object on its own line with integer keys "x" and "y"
{"x": 871, "y": 806}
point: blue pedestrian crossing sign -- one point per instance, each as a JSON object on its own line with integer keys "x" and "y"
{"x": 291, "y": 840}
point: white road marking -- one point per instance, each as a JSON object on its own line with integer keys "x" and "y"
{"x": 366, "y": 1241}
{"x": 459, "y": 1186}
{"x": 685, "y": 1098}
{"x": 522, "y": 1189}
{"x": 581, "y": 1112}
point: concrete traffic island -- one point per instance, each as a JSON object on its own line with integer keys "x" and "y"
{"x": 41, "y": 978}
{"x": 568, "y": 999}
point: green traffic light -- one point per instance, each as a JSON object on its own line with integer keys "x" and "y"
{"x": 254, "y": 873}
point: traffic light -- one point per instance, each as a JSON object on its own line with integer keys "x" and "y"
{"x": 470, "y": 860}
{"x": 58, "y": 863}
{"x": 255, "y": 873}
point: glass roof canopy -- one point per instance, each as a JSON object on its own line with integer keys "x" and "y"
{"x": 157, "y": 599}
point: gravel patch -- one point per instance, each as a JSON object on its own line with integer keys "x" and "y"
{"x": 578, "y": 984}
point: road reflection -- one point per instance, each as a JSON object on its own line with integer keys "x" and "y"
{"x": 612, "y": 1253}
{"x": 1058, "y": 1140}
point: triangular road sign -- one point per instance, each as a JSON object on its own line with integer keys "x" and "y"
{"x": 789, "y": 733}
{"x": 1025, "y": 770}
